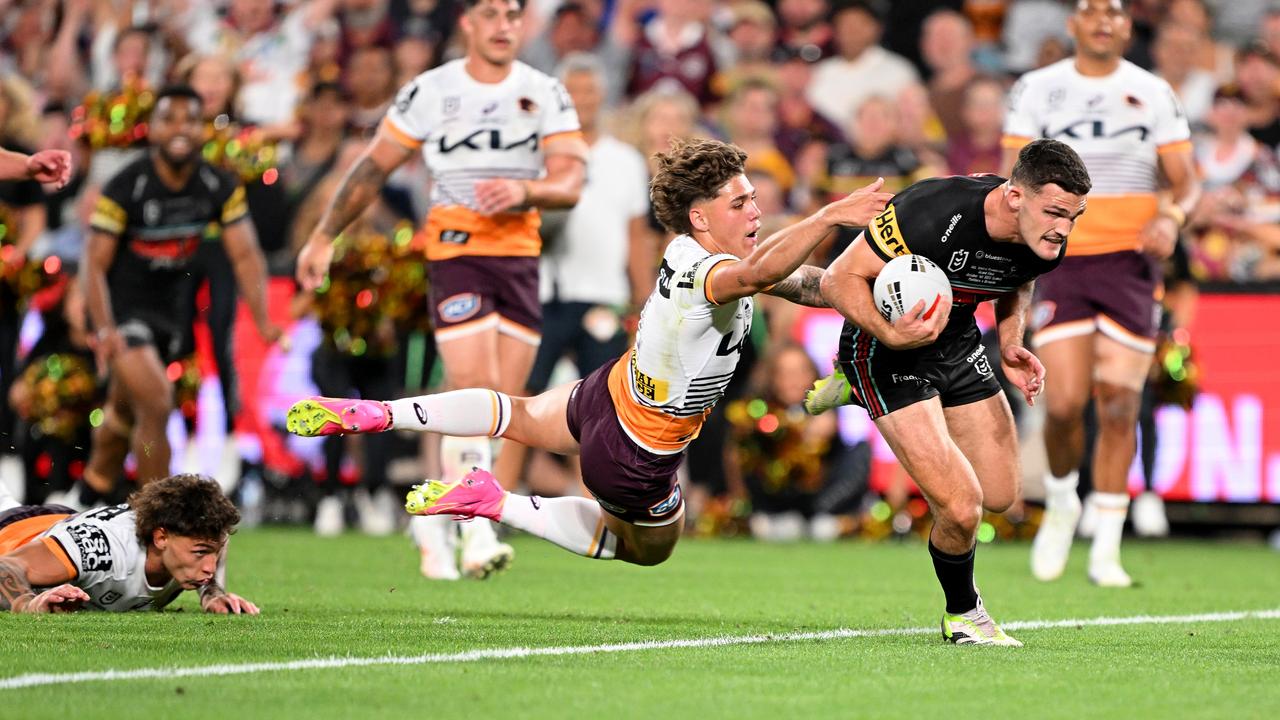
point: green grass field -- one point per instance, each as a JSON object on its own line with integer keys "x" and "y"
{"x": 362, "y": 598}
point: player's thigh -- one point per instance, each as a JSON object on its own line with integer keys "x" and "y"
{"x": 470, "y": 359}
{"x": 142, "y": 380}
{"x": 920, "y": 439}
{"x": 985, "y": 433}
{"x": 1121, "y": 363}
{"x": 1068, "y": 373}
{"x": 645, "y": 544}
{"x": 540, "y": 421}
{"x": 515, "y": 359}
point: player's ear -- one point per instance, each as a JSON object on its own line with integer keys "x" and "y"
{"x": 1015, "y": 197}
{"x": 698, "y": 219}
{"x": 160, "y": 538}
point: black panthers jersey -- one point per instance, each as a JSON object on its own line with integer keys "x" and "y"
{"x": 159, "y": 230}
{"x": 943, "y": 219}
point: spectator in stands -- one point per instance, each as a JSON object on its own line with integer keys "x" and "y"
{"x": 778, "y": 452}
{"x": 753, "y": 36}
{"x": 370, "y": 77}
{"x": 1258, "y": 73}
{"x": 677, "y": 45}
{"x": 946, "y": 43}
{"x": 1210, "y": 55}
{"x": 270, "y": 46}
{"x": 1030, "y": 26}
{"x": 1174, "y": 52}
{"x": 805, "y": 29}
{"x": 860, "y": 69}
{"x": 750, "y": 121}
{"x": 1233, "y": 226}
{"x": 976, "y": 148}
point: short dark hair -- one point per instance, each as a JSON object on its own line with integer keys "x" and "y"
{"x": 470, "y": 4}
{"x": 874, "y": 9}
{"x": 693, "y": 171}
{"x": 1045, "y": 161}
{"x": 192, "y": 506}
{"x": 146, "y": 31}
{"x": 182, "y": 92}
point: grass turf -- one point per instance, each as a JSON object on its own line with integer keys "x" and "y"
{"x": 362, "y": 597}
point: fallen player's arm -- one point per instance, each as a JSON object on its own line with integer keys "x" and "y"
{"x": 213, "y": 599}
{"x": 35, "y": 565}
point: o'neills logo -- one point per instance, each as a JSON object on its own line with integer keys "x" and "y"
{"x": 887, "y": 234}
{"x": 954, "y": 220}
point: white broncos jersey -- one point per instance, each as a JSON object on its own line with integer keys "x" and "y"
{"x": 109, "y": 563}
{"x": 467, "y": 131}
{"x": 686, "y": 351}
{"x": 1120, "y": 125}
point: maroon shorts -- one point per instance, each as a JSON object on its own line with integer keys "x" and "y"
{"x": 628, "y": 481}
{"x": 471, "y": 292}
{"x": 1113, "y": 293}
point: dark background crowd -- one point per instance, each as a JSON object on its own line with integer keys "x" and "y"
{"x": 824, "y": 95}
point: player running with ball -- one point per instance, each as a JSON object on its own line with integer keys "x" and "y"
{"x": 630, "y": 421}
{"x": 925, "y": 379}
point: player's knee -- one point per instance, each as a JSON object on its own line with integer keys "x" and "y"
{"x": 153, "y": 406}
{"x": 1117, "y": 407}
{"x": 961, "y": 513}
{"x": 1064, "y": 413}
{"x": 997, "y": 502}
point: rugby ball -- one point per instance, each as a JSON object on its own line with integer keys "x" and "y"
{"x": 906, "y": 280}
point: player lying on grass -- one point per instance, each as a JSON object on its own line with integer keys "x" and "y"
{"x": 934, "y": 395}
{"x": 629, "y": 421}
{"x": 136, "y": 556}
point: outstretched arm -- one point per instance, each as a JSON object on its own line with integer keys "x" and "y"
{"x": 802, "y": 287}
{"x": 781, "y": 253}
{"x": 359, "y": 190}
{"x": 35, "y": 565}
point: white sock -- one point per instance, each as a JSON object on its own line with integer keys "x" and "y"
{"x": 1060, "y": 490}
{"x": 1112, "y": 509}
{"x": 458, "y": 455}
{"x": 432, "y": 531}
{"x": 469, "y": 412}
{"x": 575, "y": 524}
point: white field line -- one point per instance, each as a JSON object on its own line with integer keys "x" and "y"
{"x": 168, "y": 673}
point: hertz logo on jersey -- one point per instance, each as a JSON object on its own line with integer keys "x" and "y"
{"x": 886, "y": 233}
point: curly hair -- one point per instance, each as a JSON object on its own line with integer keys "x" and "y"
{"x": 187, "y": 505}
{"x": 693, "y": 171}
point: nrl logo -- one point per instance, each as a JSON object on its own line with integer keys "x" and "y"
{"x": 958, "y": 260}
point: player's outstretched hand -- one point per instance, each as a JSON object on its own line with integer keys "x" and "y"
{"x": 860, "y": 207}
{"x": 63, "y": 598}
{"x": 50, "y": 166}
{"x": 313, "y": 262}
{"x": 228, "y": 604}
{"x": 500, "y": 194}
{"x": 920, "y": 325}
{"x": 1024, "y": 370}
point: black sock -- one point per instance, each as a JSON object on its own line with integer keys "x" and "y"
{"x": 955, "y": 574}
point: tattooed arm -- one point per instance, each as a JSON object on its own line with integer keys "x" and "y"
{"x": 802, "y": 287}
{"x": 358, "y": 192}
{"x": 34, "y": 564}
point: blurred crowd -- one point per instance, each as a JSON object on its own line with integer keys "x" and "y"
{"x": 824, "y": 95}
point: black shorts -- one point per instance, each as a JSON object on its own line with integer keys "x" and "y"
{"x": 168, "y": 337}
{"x": 955, "y": 369}
{"x": 628, "y": 481}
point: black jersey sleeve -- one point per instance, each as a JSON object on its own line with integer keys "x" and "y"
{"x": 902, "y": 228}
{"x": 110, "y": 212}
{"x": 228, "y": 194}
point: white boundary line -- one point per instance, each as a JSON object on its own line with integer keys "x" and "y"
{"x": 166, "y": 673}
